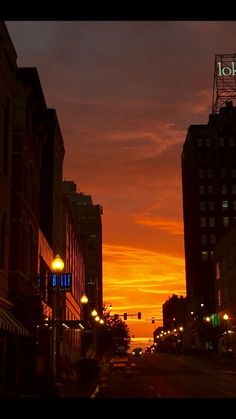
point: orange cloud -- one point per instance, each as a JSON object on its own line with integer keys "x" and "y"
{"x": 172, "y": 227}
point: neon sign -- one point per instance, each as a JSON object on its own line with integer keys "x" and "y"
{"x": 61, "y": 282}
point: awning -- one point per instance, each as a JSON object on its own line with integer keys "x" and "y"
{"x": 10, "y": 323}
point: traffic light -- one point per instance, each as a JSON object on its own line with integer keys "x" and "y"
{"x": 125, "y": 316}
{"x": 139, "y": 315}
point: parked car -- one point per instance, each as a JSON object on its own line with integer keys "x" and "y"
{"x": 137, "y": 352}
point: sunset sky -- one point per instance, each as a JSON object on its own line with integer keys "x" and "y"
{"x": 125, "y": 93}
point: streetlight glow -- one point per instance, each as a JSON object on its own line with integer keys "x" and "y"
{"x": 94, "y": 313}
{"x": 84, "y": 299}
{"x": 97, "y": 318}
{"x": 57, "y": 264}
{"x": 225, "y": 317}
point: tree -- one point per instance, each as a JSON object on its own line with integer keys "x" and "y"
{"x": 112, "y": 333}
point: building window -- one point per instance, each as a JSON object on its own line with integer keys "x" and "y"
{"x": 3, "y": 228}
{"x": 218, "y": 270}
{"x": 199, "y": 142}
{"x": 223, "y": 173}
{"x": 202, "y": 190}
{"x": 211, "y": 206}
{"x": 212, "y": 238}
{"x": 201, "y": 173}
{"x": 221, "y": 142}
{"x": 231, "y": 142}
{"x": 234, "y": 189}
{"x": 208, "y": 142}
{"x": 210, "y": 188}
{"x": 209, "y": 173}
{"x": 224, "y": 189}
{"x": 233, "y": 173}
{"x": 200, "y": 158}
{"x": 204, "y": 256}
{"x": 202, "y": 221}
{"x": 202, "y": 206}
{"x": 225, "y": 205}
{"x": 211, "y": 221}
{"x": 225, "y": 221}
{"x": 203, "y": 239}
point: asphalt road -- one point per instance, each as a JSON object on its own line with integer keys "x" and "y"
{"x": 170, "y": 376}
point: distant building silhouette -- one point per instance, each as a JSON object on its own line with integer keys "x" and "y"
{"x": 88, "y": 220}
{"x": 174, "y": 312}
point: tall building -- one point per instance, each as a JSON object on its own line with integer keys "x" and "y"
{"x": 209, "y": 201}
{"x": 74, "y": 263}
{"x": 11, "y": 331}
{"x": 89, "y": 222}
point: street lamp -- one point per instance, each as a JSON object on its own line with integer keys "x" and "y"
{"x": 57, "y": 264}
{"x": 57, "y": 267}
{"x": 84, "y": 301}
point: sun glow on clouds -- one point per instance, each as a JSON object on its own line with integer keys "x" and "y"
{"x": 173, "y": 227}
{"x": 147, "y": 278}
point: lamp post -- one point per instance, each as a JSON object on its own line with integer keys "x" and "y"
{"x": 84, "y": 301}
{"x": 57, "y": 267}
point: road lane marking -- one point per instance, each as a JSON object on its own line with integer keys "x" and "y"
{"x": 95, "y": 392}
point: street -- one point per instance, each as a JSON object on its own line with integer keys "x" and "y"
{"x": 163, "y": 375}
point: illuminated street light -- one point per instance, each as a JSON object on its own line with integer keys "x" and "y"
{"x": 57, "y": 264}
{"x": 57, "y": 267}
{"x": 101, "y": 321}
{"x": 181, "y": 328}
{"x": 208, "y": 319}
{"x": 84, "y": 299}
{"x": 97, "y": 318}
{"x": 225, "y": 317}
{"x": 94, "y": 313}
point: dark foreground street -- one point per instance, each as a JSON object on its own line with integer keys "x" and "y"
{"x": 162, "y": 375}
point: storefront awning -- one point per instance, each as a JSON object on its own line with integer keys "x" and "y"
{"x": 10, "y": 323}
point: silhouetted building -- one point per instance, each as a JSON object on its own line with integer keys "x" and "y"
{"x": 11, "y": 330}
{"x": 209, "y": 202}
{"x": 174, "y": 312}
{"x": 30, "y": 124}
{"x": 225, "y": 275}
{"x": 88, "y": 220}
{"x": 74, "y": 263}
